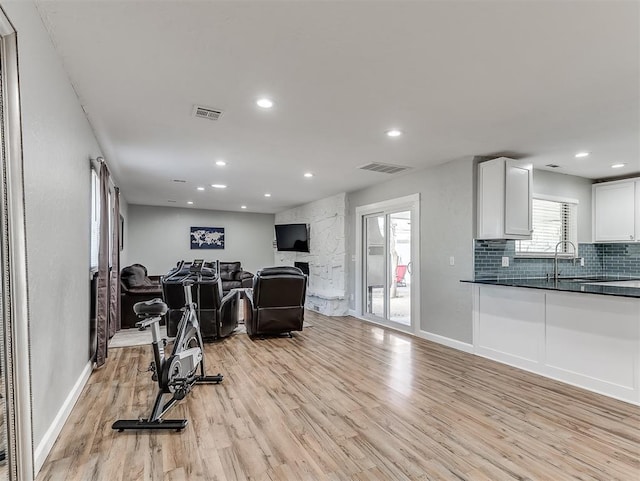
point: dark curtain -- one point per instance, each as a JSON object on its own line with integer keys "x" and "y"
{"x": 114, "y": 281}
{"x": 103, "y": 297}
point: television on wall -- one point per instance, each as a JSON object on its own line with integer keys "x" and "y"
{"x": 292, "y": 237}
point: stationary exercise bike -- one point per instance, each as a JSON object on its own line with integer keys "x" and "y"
{"x": 177, "y": 374}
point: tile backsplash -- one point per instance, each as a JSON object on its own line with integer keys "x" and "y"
{"x": 599, "y": 260}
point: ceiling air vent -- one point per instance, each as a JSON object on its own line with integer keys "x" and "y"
{"x": 206, "y": 112}
{"x": 384, "y": 168}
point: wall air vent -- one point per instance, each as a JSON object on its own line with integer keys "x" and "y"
{"x": 206, "y": 112}
{"x": 384, "y": 168}
{"x": 553, "y": 166}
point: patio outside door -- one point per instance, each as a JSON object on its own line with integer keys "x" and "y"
{"x": 387, "y": 268}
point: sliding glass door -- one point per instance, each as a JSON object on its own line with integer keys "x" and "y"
{"x": 387, "y": 267}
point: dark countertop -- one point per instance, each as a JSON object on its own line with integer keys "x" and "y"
{"x": 570, "y": 285}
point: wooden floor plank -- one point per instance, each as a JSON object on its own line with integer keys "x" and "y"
{"x": 347, "y": 401}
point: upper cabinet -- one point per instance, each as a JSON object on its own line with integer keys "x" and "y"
{"x": 504, "y": 199}
{"x": 616, "y": 211}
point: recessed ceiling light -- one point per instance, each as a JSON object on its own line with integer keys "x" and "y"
{"x": 308, "y": 174}
{"x": 394, "y": 133}
{"x": 221, "y": 163}
{"x": 190, "y": 202}
{"x": 265, "y": 103}
{"x": 243, "y": 206}
{"x": 218, "y": 186}
{"x": 617, "y": 166}
{"x": 200, "y": 188}
{"x": 582, "y": 154}
{"x": 267, "y": 195}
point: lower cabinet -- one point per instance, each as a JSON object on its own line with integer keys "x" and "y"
{"x": 591, "y": 341}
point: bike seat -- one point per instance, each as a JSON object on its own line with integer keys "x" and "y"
{"x": 152, "y": 308}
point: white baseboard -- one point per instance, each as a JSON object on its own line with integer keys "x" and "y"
{"x": 44, "y": 447}
{"x": 445, "y": 341}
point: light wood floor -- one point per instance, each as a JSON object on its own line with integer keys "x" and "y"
{"x": 345, "y": 400}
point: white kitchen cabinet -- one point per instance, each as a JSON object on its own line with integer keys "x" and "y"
{"x": 616, "y": 211}
{"x": 504, "y": 199}
{"x": 588, "y": 340}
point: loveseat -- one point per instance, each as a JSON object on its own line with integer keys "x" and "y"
{"x": 136, "y": 286}
{"x": 233, "y": 277}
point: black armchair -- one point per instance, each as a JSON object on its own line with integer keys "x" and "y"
{"x": 218, "y": 315}
{"x": 233, "y": 277}
{"x": 136, "y": 286}
{"x": 275, "y": 304}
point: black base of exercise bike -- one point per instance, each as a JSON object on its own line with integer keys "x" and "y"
{"x": 156, "y": 421}
{"x": 172, "y": 424}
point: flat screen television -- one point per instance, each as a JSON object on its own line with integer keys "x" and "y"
{"x": 292, "y": 237}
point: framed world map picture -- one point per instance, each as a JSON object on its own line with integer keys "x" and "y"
{"x": 207, "y": 237}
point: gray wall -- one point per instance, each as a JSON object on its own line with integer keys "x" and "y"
{"x": 447, "y": 203}
{"x": 57, "y": 142}
{"x": 563, "y": 185}
{"x": 158, "y": 237}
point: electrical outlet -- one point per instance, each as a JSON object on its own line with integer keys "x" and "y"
{"x": 582, "y": 262}
{"x": 452, "y": 261}
{"x": 505, "y": 261}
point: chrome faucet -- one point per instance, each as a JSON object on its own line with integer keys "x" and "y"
{"x": 555, "y": 257}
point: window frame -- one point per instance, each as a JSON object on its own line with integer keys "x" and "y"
{"x": 547, "y": 255}
{"x": 94, "y": 243}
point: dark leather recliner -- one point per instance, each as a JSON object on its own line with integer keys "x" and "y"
{"x": 233, "y": 277}
{"x": 218, "y": 315}
{"x": 136, "y": 286}
{"x": 275, "y": 304}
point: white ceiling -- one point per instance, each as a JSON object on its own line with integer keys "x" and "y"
{"x": 535, "y": 79}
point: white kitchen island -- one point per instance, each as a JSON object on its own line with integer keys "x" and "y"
{"x": 590, "y": 340}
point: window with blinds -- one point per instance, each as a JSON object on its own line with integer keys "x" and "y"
{"x": 95, "y": 219}
{"x": 553, "y": 221}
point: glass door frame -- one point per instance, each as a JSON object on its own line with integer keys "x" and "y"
{"x": 366, "y": 259}
{"x": 408, "y": 203}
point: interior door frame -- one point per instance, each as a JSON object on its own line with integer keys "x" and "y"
{"x": 411, "y": 203}
{"x": 15, "y": 305}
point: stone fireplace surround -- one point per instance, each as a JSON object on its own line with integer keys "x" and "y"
{"x": 327, "y": 256}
